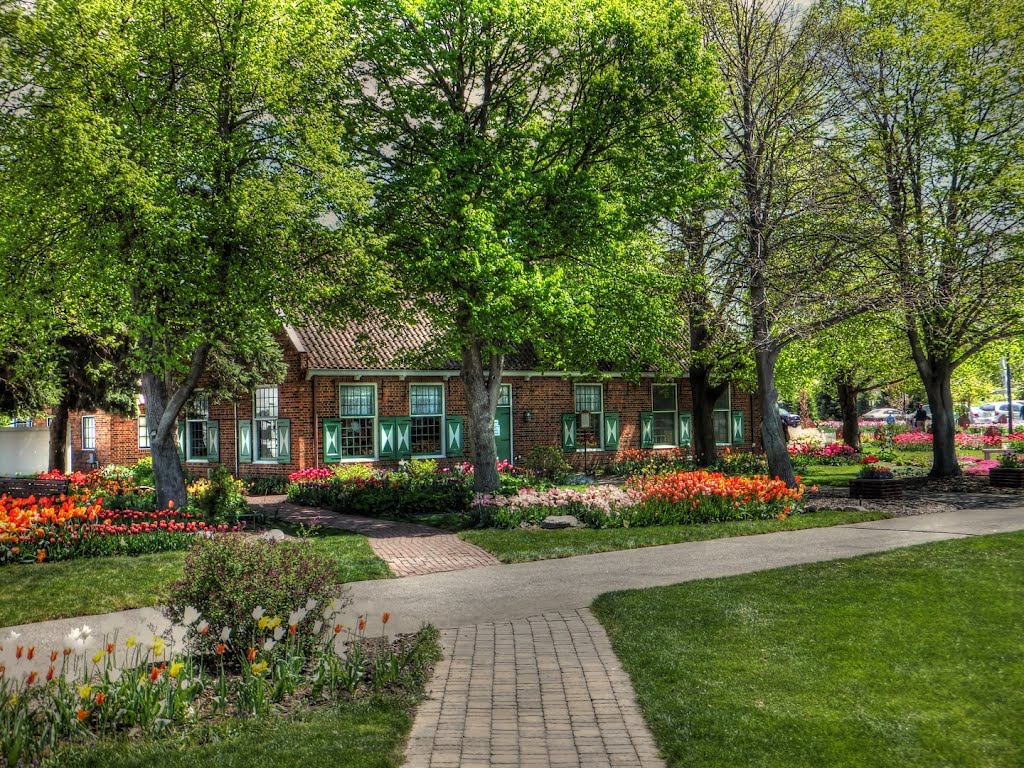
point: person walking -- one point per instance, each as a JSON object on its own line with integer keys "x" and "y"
{"x": 921, "y": 419}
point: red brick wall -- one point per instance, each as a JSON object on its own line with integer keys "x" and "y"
{"x": 307, "y": 403}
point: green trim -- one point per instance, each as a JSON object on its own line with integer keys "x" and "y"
{"x": 568, "y": 432}
{"x": 646, "y": 429}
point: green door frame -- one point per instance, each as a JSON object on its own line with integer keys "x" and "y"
{"x": 506, "y": 411}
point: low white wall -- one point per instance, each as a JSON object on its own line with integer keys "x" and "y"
{"x": 23, "y": 451}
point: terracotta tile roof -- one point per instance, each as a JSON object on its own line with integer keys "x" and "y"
{"x": 385, "y": 344}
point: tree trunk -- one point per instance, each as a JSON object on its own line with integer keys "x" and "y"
{"x": 772, "y": 436}
{"x": 940, "y": 397}
{"x": 848, "y": 407}
{"x": 482, "y": 391}
{"x": 163, "y": 447}
{"x": 58, "y": 458}
{"x": 705, "y": 447}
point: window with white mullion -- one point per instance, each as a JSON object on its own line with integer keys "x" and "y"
{"x": 666, "y": 415}
{"x": 590, "y": 398}
{"x": 265, "y": 409}
{"x": 723, "y": 407}
{"x": 88, "y": 433}
{"x": 143, "y": 432}
{"x": 426, "y": 411}
{"x": 358, "y": 412}
{"x": 197, "y": 414}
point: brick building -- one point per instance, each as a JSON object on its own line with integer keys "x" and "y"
{"x": 362, "y": 393}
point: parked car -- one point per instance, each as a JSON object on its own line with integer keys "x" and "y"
{"x": 883, "y": 414}
{"x": 789, "y": 419}
{"x": 997, "y": 413}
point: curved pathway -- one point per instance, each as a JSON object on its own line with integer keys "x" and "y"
{"x": 407, "y": 548}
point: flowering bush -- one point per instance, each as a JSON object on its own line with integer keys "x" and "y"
{"x": 702, "y": 497}
{"x": 590, "y": 506}
{"x": 913, "y": 441}
{"x": 871, "y": 469}
{"x": 64, "y": 528}
{"x": 649, "y": 461}
{"x": 95, "y": 687}
{"x": 973, "y": 466}
{"x": 834, "y": 454}
{"x": 977, "y": 442}
{"x": 741, "y": 463}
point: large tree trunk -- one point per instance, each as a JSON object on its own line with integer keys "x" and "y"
{"x": 58, "y": 449}
{"x": 705, "y": 447}
{"x": 940, "y": 397}
{"x": 772, "y": 435}
{"x": 848, "y": 407}
{"x": 482, "y": 391}
{"x": 162, "y": 410}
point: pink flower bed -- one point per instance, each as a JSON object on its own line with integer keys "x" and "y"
{"x": 311, "y": 475}
{"x": 973, "y": 466}
{"x": 977, "y": 442}
{"x": 832, "y": 450}
{"x": 603, "y": 497}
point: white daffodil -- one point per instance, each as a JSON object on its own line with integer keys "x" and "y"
{"x": 225, "y": 634}
{"x": 268, "y": 646}
{"x": 257, "y": 613}
{"x": 278, "y": 633}
{"x": 190, "y": 617}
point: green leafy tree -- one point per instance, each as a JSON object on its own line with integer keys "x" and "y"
{"x": 929, "y": 141}
{"x": 181, "y": 159}
{"x": 522, "y": 151}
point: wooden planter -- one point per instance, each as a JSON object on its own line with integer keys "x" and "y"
{"x": 1006, "y": 477}
{"x": 890, "y": 488}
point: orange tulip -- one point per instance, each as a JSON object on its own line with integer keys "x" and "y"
{"x": 82, "y": 713}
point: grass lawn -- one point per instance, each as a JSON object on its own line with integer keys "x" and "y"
{"x": 908, "y": 658}
{"x": 102, "y": 584}
{"x": 521, "y": 546}
{"x": 364, "y": 734}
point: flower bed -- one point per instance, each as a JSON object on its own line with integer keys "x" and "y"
{"x": 65, "y": 528}
{"x": 649, "y": 461}
{"x": 811, "y": 454}
{"x": 973, "y": 466}
{"x": 590, "y": 506}
{"x": 137, "y": 688}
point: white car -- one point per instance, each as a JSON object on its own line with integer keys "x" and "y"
{"x": 883, "y": 414}
{"x": 997, "y": 413}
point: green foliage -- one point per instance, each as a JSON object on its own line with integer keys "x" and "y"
{"x": 227, "y": 577}
{"x": 354, "y": 472}
{"x": 142, "y": 472}
{"x": 548, "y": 461}
{"x": 269, "y": 485}
{"x": 400, "y": 494}
{"x": 222, "y": 498}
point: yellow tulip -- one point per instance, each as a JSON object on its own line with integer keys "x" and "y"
{"x": 259, "y": 668}
{"x": 84, "y": 691}
{"x": 98, "y": 657}
{"x": 274, "y": 622}
{"x": 263, "y": 622}
{"x": 175, "y": 669}
{"x": 130, "y": 641}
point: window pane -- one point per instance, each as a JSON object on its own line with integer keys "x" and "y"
{"x": 426, "y": 435}
{"x": 143, "y": 433}
{"x": 721, "y": 426}
{"x": 722, "y": 403}
{"x": 588, "y": 397}
{"x": 505, "y": 399}
{"x": 357, "y": 400}
{"x": 198, "y": 407}
{"x": 665, "y": 428}
{"x": 89, "y": 433}
{"x": 266, "y": 439}
{"x": 426, "y": 400}
{"x": 266, "y": 402}
{"x": 197, "y": 439}
{"x": 357, "y": 437}
{"x": 664, "y": 397}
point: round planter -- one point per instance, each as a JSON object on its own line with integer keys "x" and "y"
{"x": 890, "y": 488}
{"x": 1006, "y": 477}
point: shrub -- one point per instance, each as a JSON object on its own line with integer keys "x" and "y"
{"x": 548, "y": 461}
{"x": 221, "y": 498}
{"x": 270, "y": 485}
{"x": 227, "y": 578}
{"x": 353, "y": 472}
{"x": 649, "y": 462}
{"x": 741, "y": 463}
{"x": 142, "y": 472}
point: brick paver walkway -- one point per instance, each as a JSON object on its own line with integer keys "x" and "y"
{"x": 541, "y": 692}
{"x": 407, "y": 548}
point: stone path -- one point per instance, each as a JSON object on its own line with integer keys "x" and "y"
{"x": 538, "y": 692}
{"x": 407, "y": 548}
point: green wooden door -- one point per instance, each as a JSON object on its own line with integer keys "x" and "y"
{"x": 503, "y": 424}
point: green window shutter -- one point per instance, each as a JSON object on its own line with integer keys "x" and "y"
{"x": 332, "y": 440}
{"x": 685, "y": 428}
{"x": 453, "y": 436}
{"x": 646, "y": 429}
{"x": 388, "y": 439}
{"x": 611, "y": 431}
{"x": 213, "y": 440}
{"x": 736, "y": 427}
{"x": 245, "y": 441}
{"x": 284, "y": 441}
{"x": 568, "y": 432}
{"x": 403, "y": 436}
{"x": 181, "y": 440}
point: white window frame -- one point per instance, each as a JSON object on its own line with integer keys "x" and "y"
{"x": 257, "y": 458}
{"x": 89, "y": 434}
{"x": 596, "y": 416}
{"x": 143, "y": 432}
{"x": 441, "y": 416}
{"x": 674, "y": 412}
{"x": 189, "y": 420}
{"x": 373, "y": 430}
{"x": 728, "y": 416}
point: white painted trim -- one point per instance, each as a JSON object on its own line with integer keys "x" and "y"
{"x": 293, "y": 337}
{"x": 443, "y": 416}
{"x": 675, "y": 413}
{"x": 375, "y": 417}
{"x": 600, "y": 414}
{"x": 451, "y": 374}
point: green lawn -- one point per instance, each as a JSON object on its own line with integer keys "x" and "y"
{"x": 39, "y": 592}
{"x": 904, "y": 659}
{"x": 519, "y": 546}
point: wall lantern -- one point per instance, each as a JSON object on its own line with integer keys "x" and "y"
{"x": 527, "y": 416}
